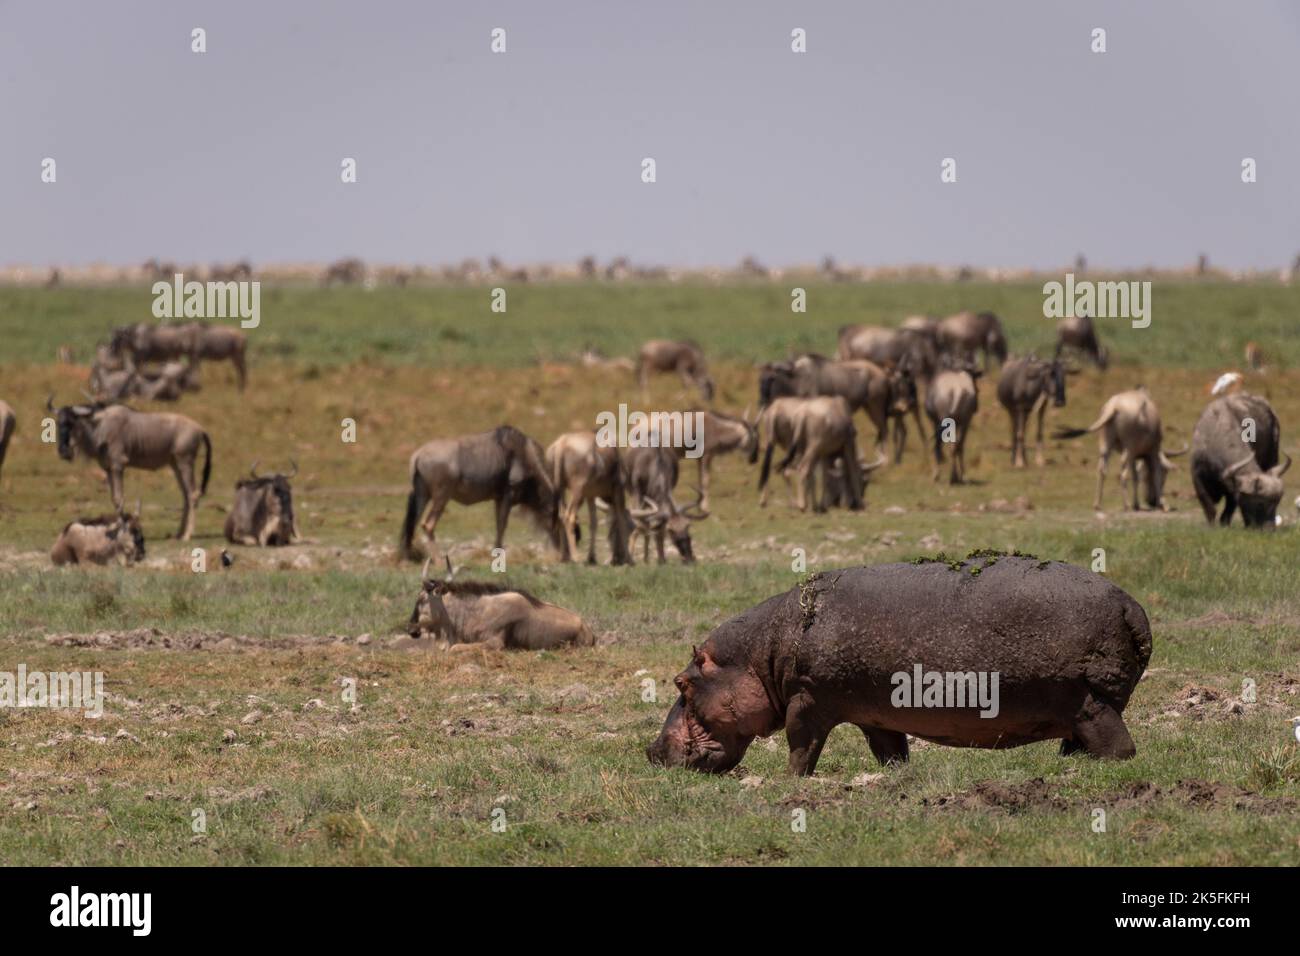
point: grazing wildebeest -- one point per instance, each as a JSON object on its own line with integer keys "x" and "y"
{"x": 108, "y": 538}
{"x": 263, "y": 510}
{"x": 464, "y": 614}
{"x": 1065, "y": 646}
{"x": 582, "y": 470}
{"x": 649, "y": 477}
{"x": 951, "y": 404}
{"x": 1225, "y": 465}
{"x": 118, "y": 437}
{"x": 347, "y": 271}
{"x": 912, "y": 350}
{"x": 684, "y": 358}
{"x": 966, "y": 333}
{"x": 1025, "y": 387}
{"x": 8, "y": 421}
{"x": 819, "y": 432}
{"x": 1130, "y": 422}
{"x": 721, "y": 435}
{"x": 1078, "y": 332}
{"x": 503, "y": 465}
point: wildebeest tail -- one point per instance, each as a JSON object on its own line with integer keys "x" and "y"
{"x": 1107, "y": 414}
{"x": 207, "y": 463}
{"x": 414, "y": 505}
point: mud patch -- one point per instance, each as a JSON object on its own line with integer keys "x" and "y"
{"x": 151, "y": 638}
{"x": 1038, "y": 794}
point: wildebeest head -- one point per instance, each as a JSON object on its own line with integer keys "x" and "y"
{"x": 902, "y": 390}
{"x": 430, "y": 614}
{"x": 775, "y": 380}
{"x": 994, "y": 340}
{"x": 651, "y": 517}
{"x": 264, "y": 509}
{"x": 1258, "y": 492}
{"x": 721, "y": 707}
{"x": 73, "y": 425}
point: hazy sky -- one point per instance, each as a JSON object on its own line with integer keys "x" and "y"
{"x": 1132, "y": 156}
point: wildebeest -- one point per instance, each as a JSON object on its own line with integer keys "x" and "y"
{"x": 969, "y": 332}
{"x": 221, "y": 343}
{"x": 1025, "y": 387}
{"x": 347, "y": 271}
{"x": 721, "y": 434}
{"x": 166, "y": 384}
{"x": 460, "y": 613}
{"x": 584, "y": 471}
{"x": 649, "y": 477}
{"x": 685, "y": 358}
{"x": 195, "y": 341}
{"x": 1226, "y": 465}
{"x": 118, "y": 437}
{"x": 1130, "y": 422}
{"x": 103, "y": 540}
{"x": 8, "y": 421}
{"x": 912, "y": 349}
{"x": 237, "y": 272}
{"x": 1078, "y": 332}
{"x": 951, "y": 404}
{"x": 819, "y": 432}
{"x": 503, "y": 465}
{"x": 263, "y": 511}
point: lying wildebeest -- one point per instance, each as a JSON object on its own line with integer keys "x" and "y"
{"x": 263, "y": 510}
{"x": 951, "y": 404}
{"x": 167, "y": 384}
{"x": 1130, "y": 422}
{"x": 649, "y": 477}
{"x": 904, "y": 649}
{"x": 460, "y": 613}
{"x": 103, "y": 540}
{"x": 684, "y": 358}
{"x": 503, "y": 465}
{"x": 882, "y": 393}
{"x": 1025, "y": 387}
{"x": 966, "y": 333}
{"x": 118, "y": 437}
{"x": 8, "y": 421}
{"x": 1078, "y": 332}
{"x": 720, "y": 434}
{"x": 1227, "y": 466}
{"x": 582, "y": 470}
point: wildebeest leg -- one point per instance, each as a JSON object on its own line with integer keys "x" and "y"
{"x": 1103, "y": 459}
{"x": 1100, "y": 730}
{"x": 704, "y": 467}
{"x": 1204, "y": 496}
{"x": 1229, "y": 506}
{"x": 938, "y": 447}
{"x": 889, "y": 746}
{"x": 958, "y": 475}
{"x": 659, "y": 545}
{"x": 115, "y": 486}
{"x": 1128, "y": 465}
{"x": 804, "y": 478}
{"x": 185, "y": 478}
{"x": 900, "y": 437}
{"x": 429, "y": 526}
{"x": 805, "y": 734}
{"x": 503, "y": 516}
{"x": 1039, "y": 460}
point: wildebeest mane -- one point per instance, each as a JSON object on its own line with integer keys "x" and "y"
{"x": 483, "y": 589}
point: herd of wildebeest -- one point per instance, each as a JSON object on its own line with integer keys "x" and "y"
{"x": 806, "y": 660}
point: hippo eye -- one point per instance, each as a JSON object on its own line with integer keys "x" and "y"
{"x": 681, "y": 682}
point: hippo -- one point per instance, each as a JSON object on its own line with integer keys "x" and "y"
{"x": 1050, "y": 650}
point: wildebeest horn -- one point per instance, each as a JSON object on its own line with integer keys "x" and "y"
{"x": 745, "y": 417}
{"x": 693, "y": 510}
{"x": 601, "y": 505}
{"x": 49, "y": 403}
{"x": 294, "y": 465}
{"x": 1233, "y": 469}
{"x": 90, "y": 398}
{"x": 1182, "y": 451}
{"x": 450, "y": 572}
{"x": 424, "y": 571}
{"x": 139, "y": 507}
{"x": 649, "y": 508}
{"x": 874, "y": 465}
{"x": 253, "y": 471}
{"x": 1277, "y": 471}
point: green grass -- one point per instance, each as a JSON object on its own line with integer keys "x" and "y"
{"x": 556, "y": 739}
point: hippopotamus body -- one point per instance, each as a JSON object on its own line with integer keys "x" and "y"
{"x": 1057, "y": 649}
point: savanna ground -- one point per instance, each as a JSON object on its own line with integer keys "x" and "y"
{"x": 224, "y": 689}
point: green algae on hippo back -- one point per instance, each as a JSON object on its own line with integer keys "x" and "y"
{"x": 1061, "y": 648}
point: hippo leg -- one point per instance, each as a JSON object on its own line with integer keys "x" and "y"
{"x": 1070, "y": 746}
{"x": 806, "y": 734}
{"x": 889, "y": 746}
{"x": 1100, "y": 730}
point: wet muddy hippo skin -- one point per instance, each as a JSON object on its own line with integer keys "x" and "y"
{"x": 1067, "y": 647}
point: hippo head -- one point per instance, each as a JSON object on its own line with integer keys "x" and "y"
{"x": 721, "y": 707}
{"x": 1258, "y": 492}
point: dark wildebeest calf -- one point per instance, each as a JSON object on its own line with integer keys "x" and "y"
{"x": 263, "y": 511}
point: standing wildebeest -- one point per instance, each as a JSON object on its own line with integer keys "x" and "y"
{"x": 154, "y": 342}
{"x": 263, "y": 510}
{"x": 347, "y": 271}
{"x": 912, "y": 349}
{"x": 969, "y": 332}
{"x": 1025, "y": 387}
{"x": 220, "y": 343}
{"x": 1130, "y": 422}
{"x": 463, "y": 613}
{"x": 504, "y": 466}
{"x": 819, "y": 432}
{"x": 953, "y": 397}
{"x": 582, "y": 470}
{"x": 8, "y": 420}
{"x": 118, "y": 437}
{"x": 1078, "y": 332}
{"x": 649, "y": 477}
{"x": 1227, "y": 466}
{"x": 239, "y": 271}
{"x": 721, "y": 434}
{"x": 100, "y": 540}
{"x": 684, "y": 358}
